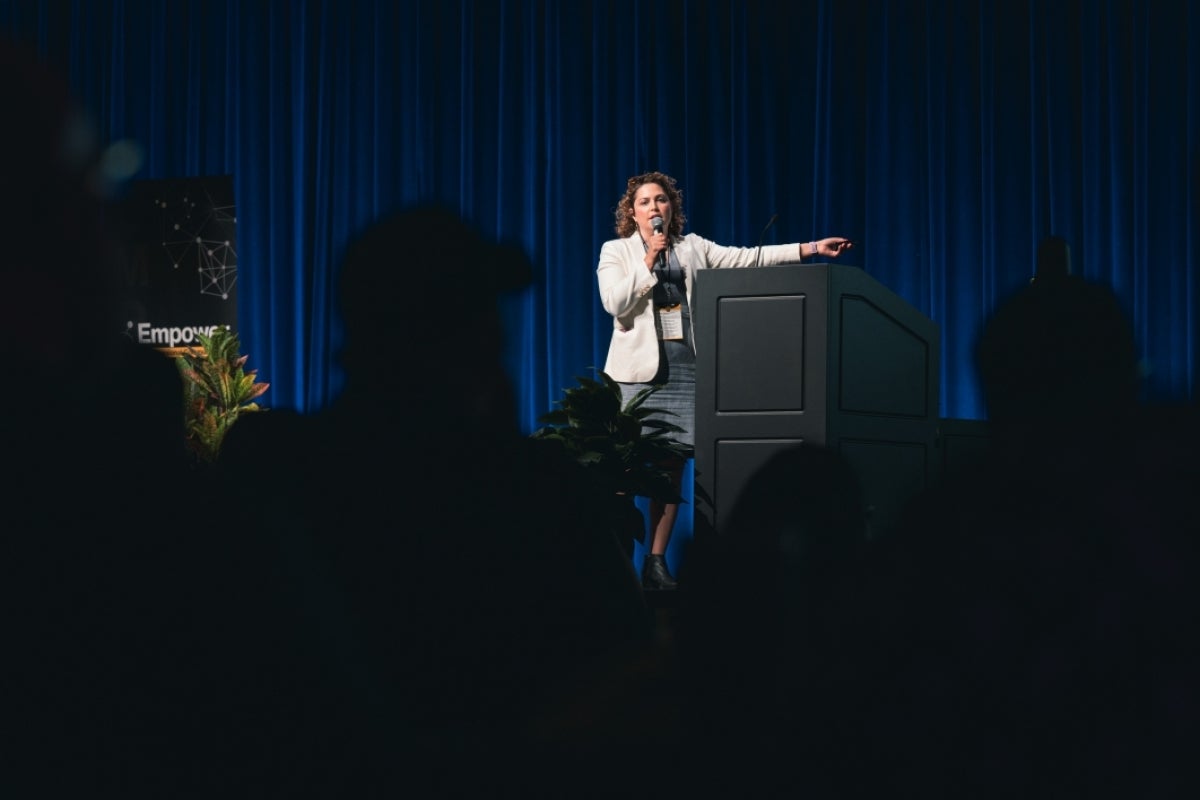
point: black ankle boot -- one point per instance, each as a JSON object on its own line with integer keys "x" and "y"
{"x": 655, "y": 575}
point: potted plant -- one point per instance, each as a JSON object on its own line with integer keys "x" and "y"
{"x": 217, "y": 389}
{"x": 623, "y": 452}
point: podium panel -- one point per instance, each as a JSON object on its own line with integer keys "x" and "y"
{"x": 819, "y": 353}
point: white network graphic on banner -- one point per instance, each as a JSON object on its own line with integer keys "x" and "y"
{"x": 185, "y": 226}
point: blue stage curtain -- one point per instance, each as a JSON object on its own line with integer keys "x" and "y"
{"x": 946, "y": 137}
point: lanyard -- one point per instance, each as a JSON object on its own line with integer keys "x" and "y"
{"x": 670, "y": 277}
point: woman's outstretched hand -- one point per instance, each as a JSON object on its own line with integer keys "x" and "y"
{"x": 831, "y": 246}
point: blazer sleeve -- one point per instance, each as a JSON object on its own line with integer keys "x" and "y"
{"x": 622, "y": 278}
{"x": 717, "y": 256}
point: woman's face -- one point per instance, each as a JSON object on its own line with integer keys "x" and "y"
{"x": 650, "y": 201}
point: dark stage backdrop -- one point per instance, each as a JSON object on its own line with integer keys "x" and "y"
{"x": 946, "y": 137}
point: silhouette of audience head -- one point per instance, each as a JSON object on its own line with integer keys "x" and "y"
{"x": 419, "y": 291}
{"x": 1027, "y": 611}
{"x": 1060, "y": 352}
{"x": 795, "y": 532}
{"x": 59, "y": 261}
{"x": 60, "y": 311}
{"x": 103, "y": 571}
{"x": 442, "y": 574}
{"x": 769, "y": 615}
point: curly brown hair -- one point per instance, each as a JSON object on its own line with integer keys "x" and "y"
{"x": 625, "y": 225}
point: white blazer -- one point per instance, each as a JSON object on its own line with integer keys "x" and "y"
{"x": 626, "y": 292}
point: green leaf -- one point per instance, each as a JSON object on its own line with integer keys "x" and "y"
{"x": 622, "y": 450}
{"x": 217, "y": 388}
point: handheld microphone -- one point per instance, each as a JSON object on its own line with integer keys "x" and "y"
{"x": 657, "y": 224}
{"x": 758, "y": 253}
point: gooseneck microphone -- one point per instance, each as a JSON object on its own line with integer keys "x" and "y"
{"x": 758, "y": 253}
{"x": 657, "y": 224}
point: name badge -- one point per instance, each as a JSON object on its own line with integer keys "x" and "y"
{"x": 670, "y": 322}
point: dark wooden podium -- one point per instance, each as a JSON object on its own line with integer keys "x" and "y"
{"x": 818, "y": 353}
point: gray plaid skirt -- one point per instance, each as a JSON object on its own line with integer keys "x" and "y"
{"x": 677, "y": 375}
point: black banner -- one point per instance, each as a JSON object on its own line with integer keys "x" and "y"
{"x": 182, "y": 267}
